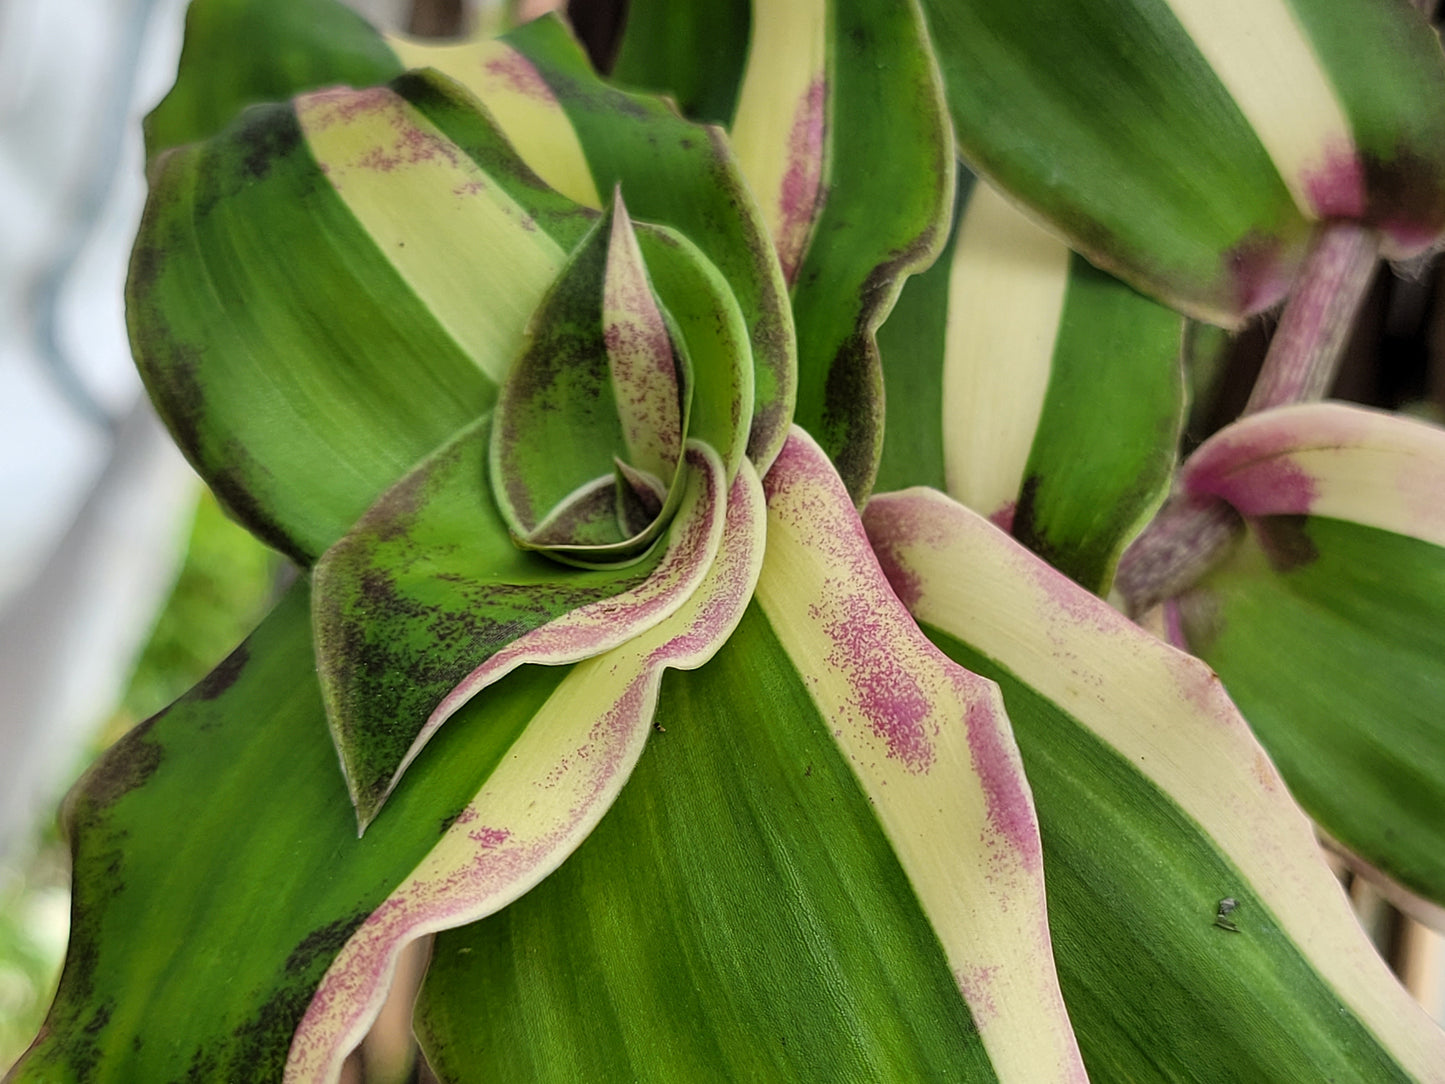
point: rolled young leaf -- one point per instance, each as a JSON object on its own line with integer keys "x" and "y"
{"x": 303, "y": 297}
{"x": 1176, "y": 862}
{"x": 1326, "y": 622}
{"x": 675, "y": 173}
{"x": 557, "y": 781}
{"x": 1036, "y": 389}
{"x": 1183, "y": 145}
{"x": 850, "y": 851}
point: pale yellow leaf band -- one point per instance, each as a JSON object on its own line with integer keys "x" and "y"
{"x": 521, "y": 103}
{"x": 449, "y": 231}
{"x": 549, "y": 792}
{"x": 778, "y": 130}
{"x": 1266, "y": 62}
{"x": 931, "y": 746}
{"x": 1328, "y": 459}
{"x": 1006, "y": 291}
{"x": 1163, "y": 712}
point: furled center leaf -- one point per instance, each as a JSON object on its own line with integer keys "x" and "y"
{"x": 590, "y": 423}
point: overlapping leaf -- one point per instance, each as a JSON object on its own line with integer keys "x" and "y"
{"x": 1186, "y": 145}
{"x": 786, "y": 868}
{"x": 1034, "y": 388}
{"x": 1328, "y": 625}
{"x": 1197, "y": 933}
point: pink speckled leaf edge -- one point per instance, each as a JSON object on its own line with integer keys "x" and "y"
{"x": 694, "y": 538}
{"x": 931, "y": 746}
{"x": 549, "y": 792}
{"x": 1164, "y": 712}
{"x": 1328, "y": 459}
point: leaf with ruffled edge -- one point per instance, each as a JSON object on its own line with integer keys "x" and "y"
{"x": 329, "y": 290}
{"x": 1176, "y": 862}
{"x": 831, "y": 837}
{"x": 1327, "y": 623}
{"x": 1034, "y": 388}
{"x": 675, "y": 173}
{"x": 556, "y": 782}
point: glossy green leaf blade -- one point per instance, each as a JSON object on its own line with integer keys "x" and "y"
{"x": 1037, "y": 389}
{"x": 302, "y": 359}
{"x": 555, "y": 784}
{"x": 240, "y": 52}
{"x": 415, "y": 604}
{"x": 695, "y": 53}
{"x": 889, "y": 187}
{"x": 683, "y": 176}
{"x": 1385, "y": 62}
{"x": 738, "y": 915}
{"x": 1176, "y": 862}
{"x": 766, "y": 869}
{"x": 217, "y": 869}
{"x": 1106, "y": 120}
{"x": 1331, "y": 637}
{"x": 1102, "y": 458}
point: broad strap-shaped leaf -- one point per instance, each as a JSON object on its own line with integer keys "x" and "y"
{"x": 1198, "y": 934}
{"x": 1035, "y": 388}
{"x": 426, "y": 601}
{"x": 825, "y": 867}
{"x": 327, "y": 291}
{"x": 695, "y": 53}
{"x": 241, "y": 52}
{"x": 674, "y": 173}
{"x": 1185, "y": 144}
{"x": 1327, "y": 623}
{"x": 217, "y": 870}
{"x": 556, "y": 782}
{"x": 881, "y": 210}
{"x": 780, "y": 126}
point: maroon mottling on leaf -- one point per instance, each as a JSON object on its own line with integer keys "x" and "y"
{"x": 801, "y": 192}
{"x": 1337, "y": 188}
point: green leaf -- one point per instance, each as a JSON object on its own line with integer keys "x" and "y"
{"x": 1184, "y": 144}
{"x": 1326, "y": 622}
{"x": 1176, "y": 862}
{"x": 1038, "y": 390}
{"x": 217, "y": 869}
{"x": 830, "y": 837}
{"x": 240, "y": 52}
{"x": 303, "y": 297}
{"x": 693, "y": 52}
{"x": 887, "y": 191}
{"x": 682, "y": 176}
{"x": 556, "y": 782}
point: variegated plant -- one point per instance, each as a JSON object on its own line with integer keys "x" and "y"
{"x": 566, "y": 405}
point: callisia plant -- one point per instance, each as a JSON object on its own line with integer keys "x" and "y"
{"x": 708, "y": 492}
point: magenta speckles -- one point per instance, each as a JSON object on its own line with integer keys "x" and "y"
{"x": 489, "y": 839}
{"x": 409, "y": 144}
{"x": 996, "y": 763}
{"x": 518, "y": 74}
{"x": 801, "y": 190}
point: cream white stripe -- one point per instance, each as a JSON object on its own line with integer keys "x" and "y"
{"x": 1260, "y": 53}
{"x": 1167, "y": 715}
{"x": 469, "y": 251}
{"x": 1006, "y": 292}
{"x": 521, "y": 103}
{"x": 777, "y": 129}
{"x": 930, "y": 744}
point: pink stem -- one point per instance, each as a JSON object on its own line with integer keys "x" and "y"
{"x": 1190, "y": 535}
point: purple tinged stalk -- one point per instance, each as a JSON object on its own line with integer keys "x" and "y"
{"x": 1192, "y": 534}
